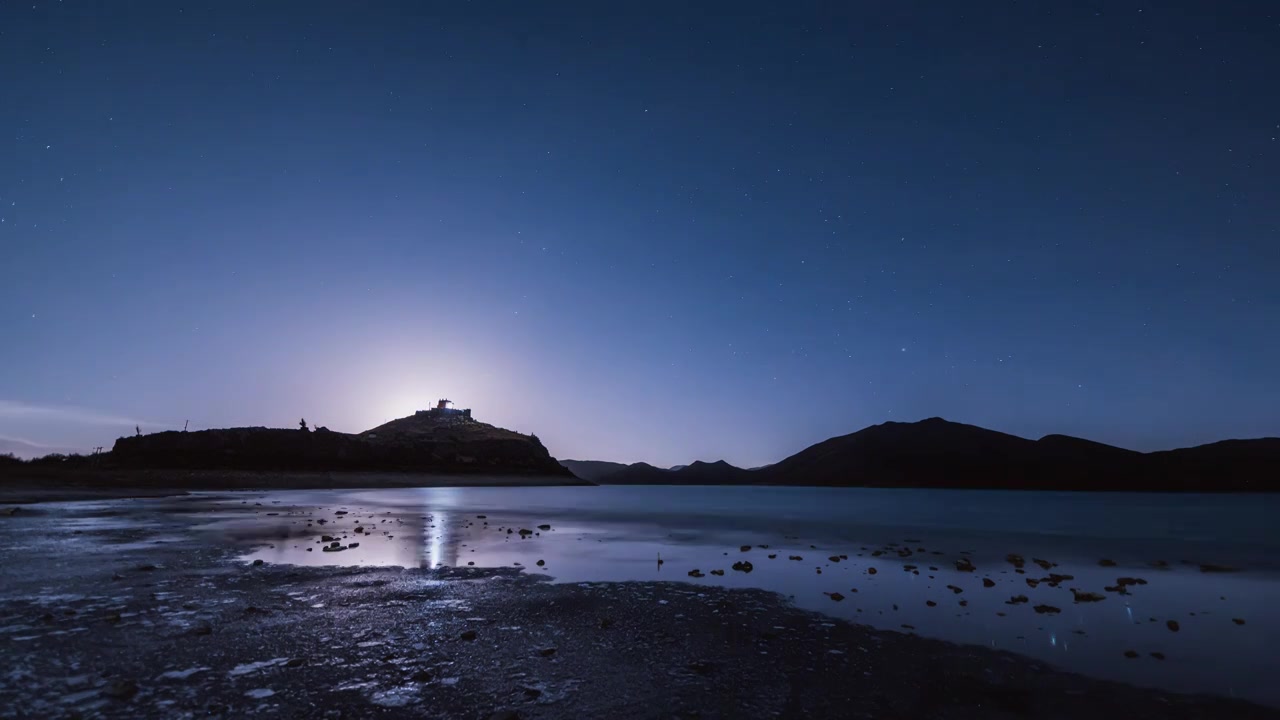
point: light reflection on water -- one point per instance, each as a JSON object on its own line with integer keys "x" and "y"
{"x": 617, "y": 534}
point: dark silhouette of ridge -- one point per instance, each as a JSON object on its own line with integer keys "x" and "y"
{"x": 418, "y": 443}
{"x": 937, "y": 453}
{"x": 695, "y": 473}
{"x": 592, "y": 470}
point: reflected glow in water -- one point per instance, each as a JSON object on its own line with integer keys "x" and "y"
{"x": 889, "y": 562}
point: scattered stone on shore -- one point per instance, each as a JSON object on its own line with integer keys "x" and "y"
{"x": 717, "y": 572}
{"x": 547, "y": 651}
{"x": 1086, "y": 596}
{"x": 1032, "y": 582}
{"x": 834, "y": 596}
{"x": 871, "y": 571}
{"x": 696, "y": 573}
{"x": 955, "y": 589}
{"x": 744, "y": 548}
{"x": 794, "y": 557}
{"x": 1161, "y": 565}
{"x": 525, "y": 532}
{"x": 1158, "y": 655}
{"x": 774, "y": 555}
{"x": 1046, "y": 609}
{"x": 1017, "y": 599}
{"x": 258, "y": 562}
{"x": 120, "y": 689}
{"x": 1130, "y": 581}
{"x": 544, "y": 526}
{"x": 1131, "y": 654}
{"x": 467, "y": 635}
{"x": 1104, "y": 562}
{"x": 988, "y": 583}
{"x": 353, "y": 545}
{"x": 743, "y": 566}
{"x": 481, "y": 517}
{"x": 834, "y": 558}
{"x": 965, "y": 565}
{"x": 1015, "y": 560}
{"x": 930, "y": 603}
{"x": 701, "y": 667}
{"x": 541, "y": 563}
{"x": 1238, "y": 621}
{"x": 1044, "y": 564}
{"x": 327, "y": 538}
{"x": 1173, "y": 625}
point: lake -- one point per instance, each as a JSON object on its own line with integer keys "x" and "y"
{"x": 1197, "y": 613}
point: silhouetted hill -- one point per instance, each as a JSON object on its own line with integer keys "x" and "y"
{"x": 592, "y": 470}
{"x": 1241, "y": 464}
{"x": 418, "y": 443}
{"x": 1067, "y": 446}
{"x": 697, "y": 473}
{"x": 937, "y": 453}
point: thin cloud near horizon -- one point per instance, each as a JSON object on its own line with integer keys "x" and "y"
{"x": 12, "y": 410}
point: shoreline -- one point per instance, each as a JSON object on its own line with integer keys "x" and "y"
{"x": 134, "y": 620}
{"x": 114, "y": 484}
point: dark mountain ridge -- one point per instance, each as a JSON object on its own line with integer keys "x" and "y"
{"x": 422, "y": 442}
{"x": 695, "y": 473}
{"x": 937, "y": 453}
{"x": 592, "y": 470}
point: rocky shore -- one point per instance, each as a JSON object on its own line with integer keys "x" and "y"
{"x": 110, "y": 618}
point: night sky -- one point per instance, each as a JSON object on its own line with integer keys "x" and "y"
{"x": 658, "y": 231}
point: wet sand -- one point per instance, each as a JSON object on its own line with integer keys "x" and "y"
{"x": 129, "y": 615}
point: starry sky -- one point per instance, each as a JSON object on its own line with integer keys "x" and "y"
{"x": 664, "y": 231}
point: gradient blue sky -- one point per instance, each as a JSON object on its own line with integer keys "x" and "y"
{"x": 658, "y": 231}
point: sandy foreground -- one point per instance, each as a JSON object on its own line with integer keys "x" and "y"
{"x": 105, "y": 614}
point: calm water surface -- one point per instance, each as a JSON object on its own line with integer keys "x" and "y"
{"x": 902, "y": 549}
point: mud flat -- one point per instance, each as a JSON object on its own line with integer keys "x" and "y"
{"x": 109, "y": 611}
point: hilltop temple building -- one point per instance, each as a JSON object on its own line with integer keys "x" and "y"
{"x": 442, "y": 410}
